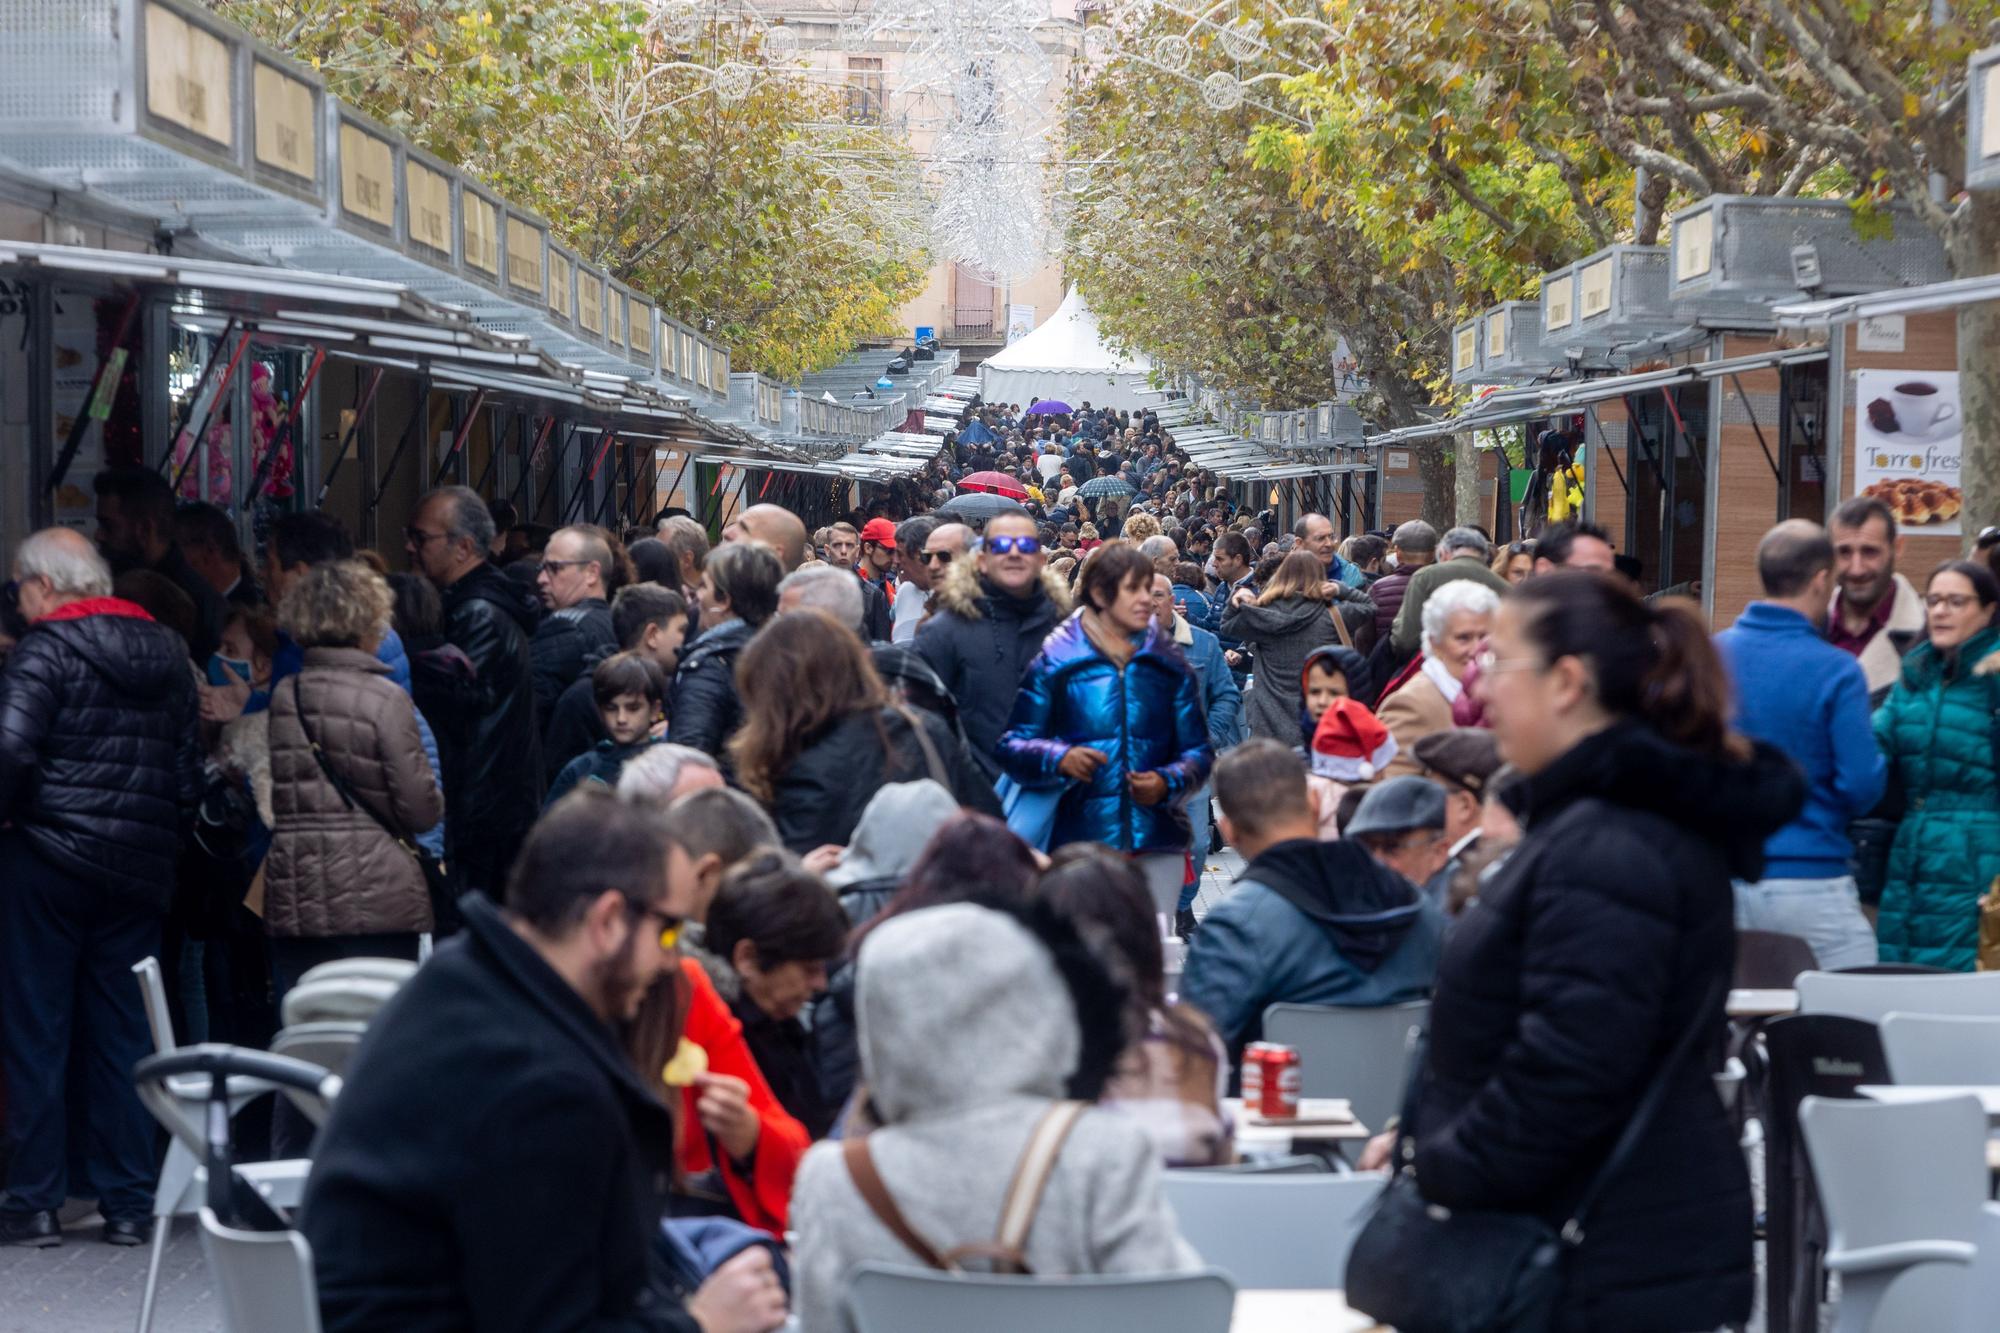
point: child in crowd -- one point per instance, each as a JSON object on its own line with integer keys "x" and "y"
{"x": 629, "y": 688}
{"x": 1332, "y": 672}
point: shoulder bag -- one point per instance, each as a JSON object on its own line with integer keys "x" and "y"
{"x": 1006, "y": 1252}
{"x": 1505, "y": 1268}
{"x": 437, "y": 880}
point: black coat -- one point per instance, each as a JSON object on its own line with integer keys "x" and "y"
{"x": 1607, "y": 934}
{"x": 566, "y": 645}
{"x": 489, "y": 743}
{"x": 99, "y": 763}
{"x": 819, "y": 797}
{"x": 877, "y": 618}
{"x": 573, "y": 727}
{"x": 783, "y": 1049}
{"x": 493, "y": 1163}
{"x": 980, "y": 642}
{"x": 704, "y": 709}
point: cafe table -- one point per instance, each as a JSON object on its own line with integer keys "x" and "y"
{"x": 1314, "y": 1310}
{"x": 1762, "y": 1003}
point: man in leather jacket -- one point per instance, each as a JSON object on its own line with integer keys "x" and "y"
{"x": 484, "y": 712}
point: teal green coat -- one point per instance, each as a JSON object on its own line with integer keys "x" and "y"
{"x": 1937, "y": 730}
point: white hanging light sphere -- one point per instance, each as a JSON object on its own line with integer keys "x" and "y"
{"x": 781, "y": 44}
{"x": 1174, "y": 52}
{"x": 1221, "y": 91}
{"x": 733, "y": 80}
{"x": 1240, "y": 40}
{"x": 1100, "y": 43}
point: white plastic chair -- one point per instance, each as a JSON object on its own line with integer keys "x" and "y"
{"x": 338, "y": 999}
{"x": 1289, "y": 1231}
{"x": 1362, "y": 1054}
{"x": 1982, "y": 1282}
{"x": 264, "y": 1279}
{"x": 1948, "y": 1049}
{"x": 179, "y": 1106}
{"x": 329, "y": 1045}
{"x": 395, "y": 971}
{"x": 1871, "y": 996}
{"x": 1902, "y": 1187}
{"x": 882, "y": 1298}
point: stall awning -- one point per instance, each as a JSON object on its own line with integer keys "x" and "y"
{"x": 1897, "y": 301}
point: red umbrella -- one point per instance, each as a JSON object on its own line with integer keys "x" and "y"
{"x": 993, "y": 483}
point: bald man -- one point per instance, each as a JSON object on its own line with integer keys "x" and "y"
{"x": 776, "y": 527}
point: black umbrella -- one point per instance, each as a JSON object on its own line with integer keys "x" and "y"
{"x": 977, "y": 507}
{"x": 1097, "y": 488}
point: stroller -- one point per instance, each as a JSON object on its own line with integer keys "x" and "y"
{"x": 263, "y": 1270}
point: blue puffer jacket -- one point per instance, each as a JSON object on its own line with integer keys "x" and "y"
{"x": 1146, "y": 716}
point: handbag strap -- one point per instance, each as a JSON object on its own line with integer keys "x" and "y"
{"x": 932, "y": 759}
{"x": 1031, "y": 1174}
{"x": 868, "y": 1181}
{"x": 340, "y": 785}
{"x": 1340, "y": 626}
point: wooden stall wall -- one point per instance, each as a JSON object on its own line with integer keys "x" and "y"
{"x": 1746, "y": 485}
{"x": 1607, "y": 471}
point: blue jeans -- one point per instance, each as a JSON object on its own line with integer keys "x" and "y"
{"x": 1825, "y": 913}
{"x": 1197, "y": 813}
{"x": 67, "y": 948}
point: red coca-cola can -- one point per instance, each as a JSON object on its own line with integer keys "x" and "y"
{"x": 1271, "y": 1081}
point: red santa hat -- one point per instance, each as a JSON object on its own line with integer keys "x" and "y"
{"x": 1350, "y": 744}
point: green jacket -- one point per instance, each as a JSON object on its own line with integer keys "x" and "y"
{"x": 1937, "y": 730}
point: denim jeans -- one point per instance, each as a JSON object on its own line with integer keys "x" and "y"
{"x": 1825, "y": 913}
{"x": 1197, "y": 813}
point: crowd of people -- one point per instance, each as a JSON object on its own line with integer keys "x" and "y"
{"x": 780, "y": 899}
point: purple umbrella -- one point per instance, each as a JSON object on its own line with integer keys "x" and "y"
{"x": 1049, "y": 407}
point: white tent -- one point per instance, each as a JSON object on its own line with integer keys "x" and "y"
{"x": 1065, "y": 358}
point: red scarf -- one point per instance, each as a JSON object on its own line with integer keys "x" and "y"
{"x": 98, "y": 606}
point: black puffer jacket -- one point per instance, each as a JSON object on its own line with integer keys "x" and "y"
{"x": 568, "y": 643}
{"x": 980, "y": 642}
{"x": 819, "y": 799}
{"x": 1558, "y": 997}
{"x": 488, "y": 741}
{"x": 99, "y": 764}
{"x": 705, "y": 709}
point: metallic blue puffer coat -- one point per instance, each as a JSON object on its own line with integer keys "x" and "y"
{"x": 1147, "y": 717}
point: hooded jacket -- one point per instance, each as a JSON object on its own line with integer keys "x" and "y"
{"x": 704, "y": 709}
{"x": 980, "y": 642}
{"x": 99, "y": 764}
{"x": 567, "y": 643}
{"x": 820, "y": 796}
{"x": 1605, "y": 936}
{"x": 489, "y": 743}
{"x": 1311, "y": 923}
{"x": 1145, "y": 717}
{"x": 1282, "y": 636}
{"x": 968, "y": 1034}
{"x": 1351, "y": 665}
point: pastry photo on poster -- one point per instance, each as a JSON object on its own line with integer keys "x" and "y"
{"x": 1907, "y": 437}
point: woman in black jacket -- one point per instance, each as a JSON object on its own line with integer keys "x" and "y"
{"x": 820, "y": 735}
{"x": 1606, "y": 937}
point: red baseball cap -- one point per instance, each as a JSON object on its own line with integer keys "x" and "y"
{"x": 880, "y": 531}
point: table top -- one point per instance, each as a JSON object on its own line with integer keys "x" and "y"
{"x": 1321, "y": 1120}
{"x": 1762, "y": 1003}
{"x": 1311, "y": 1311}
{"x": 1987, "y": 1093}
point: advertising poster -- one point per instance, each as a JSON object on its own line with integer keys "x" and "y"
{"x": 1020, "y": 322}
{"x": 1907, "y": 436}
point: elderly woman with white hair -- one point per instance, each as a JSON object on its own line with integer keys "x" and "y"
{"x": 1457, "y": 618}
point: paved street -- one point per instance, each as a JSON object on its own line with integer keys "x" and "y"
{"x": 86, "y": 1286}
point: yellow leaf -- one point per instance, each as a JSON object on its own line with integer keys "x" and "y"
{"x": 1912, "y": 104}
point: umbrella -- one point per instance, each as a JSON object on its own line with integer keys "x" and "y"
{"x": 1099, "y": 487}
{"x": 978, "y": 508}
{"x": 1049, "y": 407}
{"x": 993, "y": 483}
{"x": 976, "y": 432}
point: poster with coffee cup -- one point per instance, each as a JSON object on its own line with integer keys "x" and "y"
{"x": 1907, "y": 438}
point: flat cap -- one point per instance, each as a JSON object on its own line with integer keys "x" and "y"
{"x": 1466, "y": 756}
{"x": 1398, "y": 806}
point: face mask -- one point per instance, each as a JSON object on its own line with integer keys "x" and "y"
{"x": 227, "y": 670}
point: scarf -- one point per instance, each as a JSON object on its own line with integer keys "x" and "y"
{"x": 1108, "y": 639}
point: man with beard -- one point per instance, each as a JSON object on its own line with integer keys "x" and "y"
{"x": 495, "y": 1161}
{"x": 1876, "y": 613}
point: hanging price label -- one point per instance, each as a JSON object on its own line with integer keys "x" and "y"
{"x": 107, "y": 385}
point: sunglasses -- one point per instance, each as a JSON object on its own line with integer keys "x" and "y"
{"x": 670, "y": 926}
{"x": 937, "y": 557}
{"x": 1012, "y": 545}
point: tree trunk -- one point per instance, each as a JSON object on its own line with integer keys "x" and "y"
{"x": 1439, "y": 487}
{"x": 1975, "y": 251}
{"x": 1465, "y": 481}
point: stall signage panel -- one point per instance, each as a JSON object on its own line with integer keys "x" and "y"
{"x": 524, "y": 255}
{"x": 687, "y": 364}
{"x": 590, "y": 302}
{"x": 1879, "y": 333}
{"x": 1465, "y": 348}
{"x": 482, "y": 232}
{"x": 367, "y": 171}
{"x": 1595, "y": 282}
{"x": 188, "y": 76}
{"x": 559, "y": 275}
{"x": 1694, "y": 245}
{"x": 1556, "y": 308}
{"x": 283, "y": 109}
{"x": 720, "y": 381}
{"x": 1496, "y": 334}
{"x": 614, "y": 314}
{"x": 429, "y": 194}
{"x": 1908, "y": 436}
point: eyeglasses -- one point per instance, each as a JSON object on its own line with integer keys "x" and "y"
{"x": 554, "y": 567}
{"x": 418, "y": 538}
{"x": 1957, "y": 601}
{"x": 670, "y": 926}
{"x": 937, "y": 557}
{"x": 1012, "y": 545}
{"x": 1490, "y": 664}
